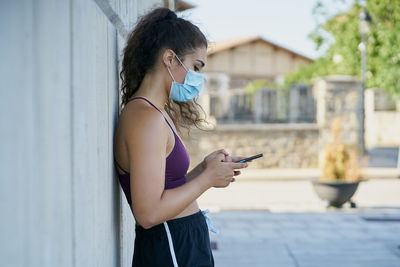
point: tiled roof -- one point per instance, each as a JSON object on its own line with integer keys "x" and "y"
{"x": 225, "y": 45}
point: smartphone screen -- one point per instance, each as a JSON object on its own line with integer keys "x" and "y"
{"x": 250, "y": 158}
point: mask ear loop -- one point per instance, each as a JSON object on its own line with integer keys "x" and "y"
{"x": 170, "y": 74}
{"x": 181, "y": 62}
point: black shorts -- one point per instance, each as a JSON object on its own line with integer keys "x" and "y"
{"x": 190, "y": 239}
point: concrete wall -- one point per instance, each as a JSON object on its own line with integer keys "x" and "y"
{"x": 382, "y": 128}
{"x": 61, "y": 203}
{"x": 283, "y": 145}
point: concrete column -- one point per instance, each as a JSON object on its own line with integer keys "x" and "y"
{"x": 338, "y": 96}
{"x": 258, "y": 106}
{"x": 370, "y": 130}
{"x": 294, "y": 109}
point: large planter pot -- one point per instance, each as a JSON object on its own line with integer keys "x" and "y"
{"x": 335, "y": 192}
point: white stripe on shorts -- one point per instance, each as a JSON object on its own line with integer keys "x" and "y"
{"x": 171, "y": 245}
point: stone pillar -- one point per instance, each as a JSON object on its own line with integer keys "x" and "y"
{"x": 258, "y": 105}
{"x": 370, "y": 127}
{"x": 294, "y": 108}
{"x": 338, "y": 96}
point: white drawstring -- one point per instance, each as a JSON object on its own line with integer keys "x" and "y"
{"x": 208, "y": 221}
{"x": 171, "y": 245}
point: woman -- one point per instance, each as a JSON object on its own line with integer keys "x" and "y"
{"x": 161, "y": 74}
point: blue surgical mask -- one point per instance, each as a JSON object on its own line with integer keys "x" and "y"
{"x": 189, "y": 89}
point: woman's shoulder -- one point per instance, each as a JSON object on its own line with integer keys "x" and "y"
{"x": 141, "y": 118}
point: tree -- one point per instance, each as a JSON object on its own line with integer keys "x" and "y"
{"x": 340, "y": 34}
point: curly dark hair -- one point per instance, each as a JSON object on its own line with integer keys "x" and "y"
{"x": 158, "y": 30}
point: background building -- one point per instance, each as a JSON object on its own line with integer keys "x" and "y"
{"x": 232, "y": 65}
{"x": 247, "y": 59}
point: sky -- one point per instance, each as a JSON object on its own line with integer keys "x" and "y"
{"x": 284, "y": 22}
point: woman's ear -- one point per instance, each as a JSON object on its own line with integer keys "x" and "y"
{"x": 168, "y": 57}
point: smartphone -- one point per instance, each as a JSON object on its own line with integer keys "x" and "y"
{"x": 250, "y": 158}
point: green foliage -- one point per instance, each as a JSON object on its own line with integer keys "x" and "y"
{"x": 340, "y": 34}
{"x": 256, "y": 85}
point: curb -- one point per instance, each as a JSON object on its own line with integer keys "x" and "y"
{"x": 307, "y": 174}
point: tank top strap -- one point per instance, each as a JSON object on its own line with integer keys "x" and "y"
{"x": 119, "y": 166}
{"x": 145, "y": 99}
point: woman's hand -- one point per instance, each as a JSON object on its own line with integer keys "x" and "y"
{"x": 220, "y": 172}
{"x": 234, "y": 159}
{"x": 211, "y": 156}
{"x": 228, "y": 158}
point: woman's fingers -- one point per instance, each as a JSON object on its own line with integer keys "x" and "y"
{"x": 223, "y": 151}
{"x": 234, "y": 165}
{"x": 220, "y": 156}
{"x": 228, "y": 159}
{"x": 238, "y": 158}
{"x": 236, "y": 173}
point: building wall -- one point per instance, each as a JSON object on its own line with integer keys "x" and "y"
{"x": 264, "y": 59}
{"x": 61, "y": 203}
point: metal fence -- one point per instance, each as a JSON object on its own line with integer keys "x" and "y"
{"x": 267, "y": 105}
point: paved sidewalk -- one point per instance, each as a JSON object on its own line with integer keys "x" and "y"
{"x": 276, "y": 174}
{"x": 297, "y": 196}
{"x": 337, "y": 239}
{"x": 283, "y": 223}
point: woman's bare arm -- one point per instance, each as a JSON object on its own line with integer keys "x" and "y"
{"x": 202, "y": 165}
{"x": 195, "y": 171}
{"x": 146, "y": 142}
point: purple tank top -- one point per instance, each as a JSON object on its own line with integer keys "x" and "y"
{"x": 177, "y": 164}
